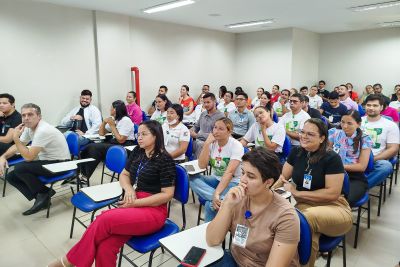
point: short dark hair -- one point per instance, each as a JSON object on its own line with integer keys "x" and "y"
{"x": 186, "y": 87}
{"x": 306, "y": 99}
{"x": 266, "y": 162}
{"x": 333, "y": 95}
{"x": 164, "y": 87}
{"x": 211, "y": 95}
{"x": 86, "y": 92}
{"x": 299, "y": 96}
{"x": 286, "y": 90}
{"x": 261, "y": 89}
{"x": 229, "y": 92}
{"x": 133, "y": 93}
{"x": 374, "y": 97}
{"x": 378, "y": 84}
{"x": 242, "y": 94}
{"x": 222, "y": 91}
{"x": 179, "y": 111}
{"x": 207, "y": 86}
{"x": 10, "y": 98}
{"x": 120, "y": 109}
{"x": 303, "y": 88}
{"x": 322, "y": 81}
{"x": 277, "y": 86}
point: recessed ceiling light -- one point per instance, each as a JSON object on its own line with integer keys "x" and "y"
{"x": 390, "y": 24}
{"x": 167, "y": 6}
{"x": 250, "y": 23}
{"x": 375, "y": 6}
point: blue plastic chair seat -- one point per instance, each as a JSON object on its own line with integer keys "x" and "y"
{"x": 15, "y": 161}
{"x": 362, "y": 201}
{"x": 144, "y": 244}
{"x": 86, "y": 204}
{"x": 53, "y": 179}
{"x": 328, "y": 243}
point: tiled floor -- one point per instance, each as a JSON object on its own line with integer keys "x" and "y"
{"x": 36, "y": 241}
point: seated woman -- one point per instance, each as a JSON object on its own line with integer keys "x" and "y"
{"x": 354, "y": 148}
{"x": 176, "y": 134}
{"x": 134, "y": 111}
{"x": 148, "y": 180}
{"x": 224, "y": 153}
{"x": 318, "y": 179}
{"x": 227, "y": 105}
{"x": 275, "y": 228}
{"x": 162, "y": 104}
{"x": 187, "y": 103}
{"x": 122, "y": 129}
{"x": 265, "y": 132}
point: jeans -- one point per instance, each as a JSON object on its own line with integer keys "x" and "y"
{"x": 82, "y": 140}
{"x": 226, "y": 260}
{"x": 382, "y": 169}
{"x": 204, "y": 186}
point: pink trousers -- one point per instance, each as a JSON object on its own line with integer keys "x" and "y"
{"x": 110, "y": 230}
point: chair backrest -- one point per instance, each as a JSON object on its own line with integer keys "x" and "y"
{"x": 144, "y": 116}
{"x": 181, "y": 185}
{"x": 361, "y": 110}
{"x": 324, "y": 120}
{"x": 73, "y": 144}
{"x": 275, "y": 117}
{"x": 189, "y": 150}
{"x": 304, "y": 246}
{"x": 346, "y": 184}
{"x": 116, "y": 158}
{"x": 370, "y": 165}
{"x": 287, "y": 146}
{"x": 245, "y": 149}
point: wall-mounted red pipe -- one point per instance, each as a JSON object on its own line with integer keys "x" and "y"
{"x": 135, "y": 83}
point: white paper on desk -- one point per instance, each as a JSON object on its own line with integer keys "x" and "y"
{"x": 103, "y": 192}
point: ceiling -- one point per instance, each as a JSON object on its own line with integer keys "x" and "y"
{"x": 321, "y": 16}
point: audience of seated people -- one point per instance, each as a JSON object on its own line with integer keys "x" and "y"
{"x": 241, "y": 117}
{"x": 133, "y": 109}
{"x": 122, "y": 129}
{"x": 162, "y": 104}
{"x": 10, "y": 118}
{"x": 282, "y": 105}
{"x": 48, "y": 145}
{"x": 83, "y": 119}
{"x": 176, "y": 134}
{"x": 224, "y": 154}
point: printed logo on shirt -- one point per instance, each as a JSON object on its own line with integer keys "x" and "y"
{"x": 292, "y": 126}
{"x": 219, "y": 165}
{"x": 185, "y": 133}
{"x": 160, "y": 119}
{"x": 374, "y": 133}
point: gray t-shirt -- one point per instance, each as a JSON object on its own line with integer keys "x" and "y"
{"x": 52, "y": 141}
{"x": 205, "y": 124}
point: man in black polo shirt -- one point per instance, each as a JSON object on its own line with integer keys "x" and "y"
{"x": 322, "y": 92}
{"x": 314, "y": 113}
{"x": 9, "y": 119}
{"x": 333, "y": 110}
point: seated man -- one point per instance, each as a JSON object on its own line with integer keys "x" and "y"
{"x": 9, "y": 119}
{"x": 314, "y": 99}
{"x": 314, "y": 113}
{"x": 378, "y": 91}
{"x": 385, "y": 135}
{"x": 206, "y": 122}
{"x": 345, "y": 99}
{"x": 241, "y": 117}
{"x": 294, "y": 120}
{"x": 204, "y": 90}
{"x": 333, "y": 110}
{"x": 48, "y": 145}
{"x": 83, "y": 119}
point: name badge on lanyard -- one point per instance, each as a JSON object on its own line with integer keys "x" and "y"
{"x": 336, "y": 149}
{"x": 307, "y": 179}
{"x": 241, "y": 235}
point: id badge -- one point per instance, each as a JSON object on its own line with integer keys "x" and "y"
{"x": 218, "y": 162}
{"x": 330, "y": 119}
{"x": 336, "y": 149}
{"x": 307, "y": 181}
{"x": 241, "y": 235}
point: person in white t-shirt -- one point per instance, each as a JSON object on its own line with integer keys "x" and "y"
{"x": 224, "y": 154}
{"x": 294, "y": 120}
{"x": 227, "y": 106}
{"x": 176, "y": 134}
{"x": 282, "y": 105}
{"x": 122, "y": 129}
{"x": 256, "y": 101}
{"x": 315, "y": 101}
{"x": 395, "y": 104}
{"x": 265, "y": 132}
{"x": 48, "y": 145}
{"x": 385, "y": 135}
{"x": 162, "y": 104}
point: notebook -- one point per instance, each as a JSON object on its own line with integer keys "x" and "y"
{"x": 103, "y": 192}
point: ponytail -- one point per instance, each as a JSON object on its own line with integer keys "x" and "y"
{"x": 358, "y": 140}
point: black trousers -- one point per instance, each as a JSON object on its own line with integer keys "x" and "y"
{"x": 24, "y": 177}
{"x": 4, "y": 147}
{"x": 358, "y": 188}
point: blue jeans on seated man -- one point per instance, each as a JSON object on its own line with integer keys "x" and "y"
{"x": 382, "y": 169}
{"x": 204, "y": 186}
{"x": 82, "y": 140}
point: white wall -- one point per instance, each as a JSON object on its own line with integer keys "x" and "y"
{"x": 263, "y": 59}
{"x": 174, "y": 55}
{"x": 46, "y": 55}
{"x": 362, "y": 57}
{"x": 305, "y": 58}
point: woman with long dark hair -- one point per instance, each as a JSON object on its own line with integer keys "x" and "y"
{"x": 148, "y": 180}
{"x": 318, "y": 179}
{"x": 187, "y": 102}
{"x": 122, "y": 129}
{"x": 354, "y": 149}
{"x": 134, "y": 111}
{"x": 162, "y": 104}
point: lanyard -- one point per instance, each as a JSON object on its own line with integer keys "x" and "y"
{"x": 139, "y": 169}
{"x": 308, "y": 164}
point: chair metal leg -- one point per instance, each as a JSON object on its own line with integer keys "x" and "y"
{"x": 369, "y": 213}
{"x": 384, "y": 191}
{"x": 380, "y": 199}
{"x": 344, "y": 250}
{"x": 102, "y": 173}
{"x": 194, "y": 199}
{"x": 151, "y": 257}
{"x": 391, "y": 183}
{"x": 328, "y": 262}
{"x": 357, "y": 226}
{"x": 72, "y": 223}
{"x": 5, "y": 182}
{"x": 120, "y": 256}
{"x": 49, "y": 204}
{"x": 112, "y": 177}
{"x": 199, "y": 215}
{"x": 396, "y": 170}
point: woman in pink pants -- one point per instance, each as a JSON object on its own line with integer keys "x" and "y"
{"x": 148, "y": 180}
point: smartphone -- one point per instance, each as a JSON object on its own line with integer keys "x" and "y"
{"x": 189, "y": 168}
{"x": 280, "y": 191}
{"x": 193, "y": 257}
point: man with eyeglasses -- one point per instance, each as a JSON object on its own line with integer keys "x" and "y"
{"x": 241, "y": 117}
{"x": 294, "y": 120}
{"x": 282, "y": 106}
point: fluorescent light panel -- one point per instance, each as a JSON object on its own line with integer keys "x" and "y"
{"x": 167, "y": 6}
{"x": 375, "y": 6}
{"x": 250, "y": 23}
{"x": 390, "y": 24}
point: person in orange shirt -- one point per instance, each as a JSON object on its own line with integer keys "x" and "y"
{"x": 353, "y": 94}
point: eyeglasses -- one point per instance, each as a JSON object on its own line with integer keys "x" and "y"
{"x": 294, "y": 101}
{"x": 308, "y": 134}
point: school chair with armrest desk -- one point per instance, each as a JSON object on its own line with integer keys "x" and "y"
{"x": 11, "y": 163}
{"x": 115, "y": 161}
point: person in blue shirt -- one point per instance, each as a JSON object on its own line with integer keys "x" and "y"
{"x": 333, "y": 110}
